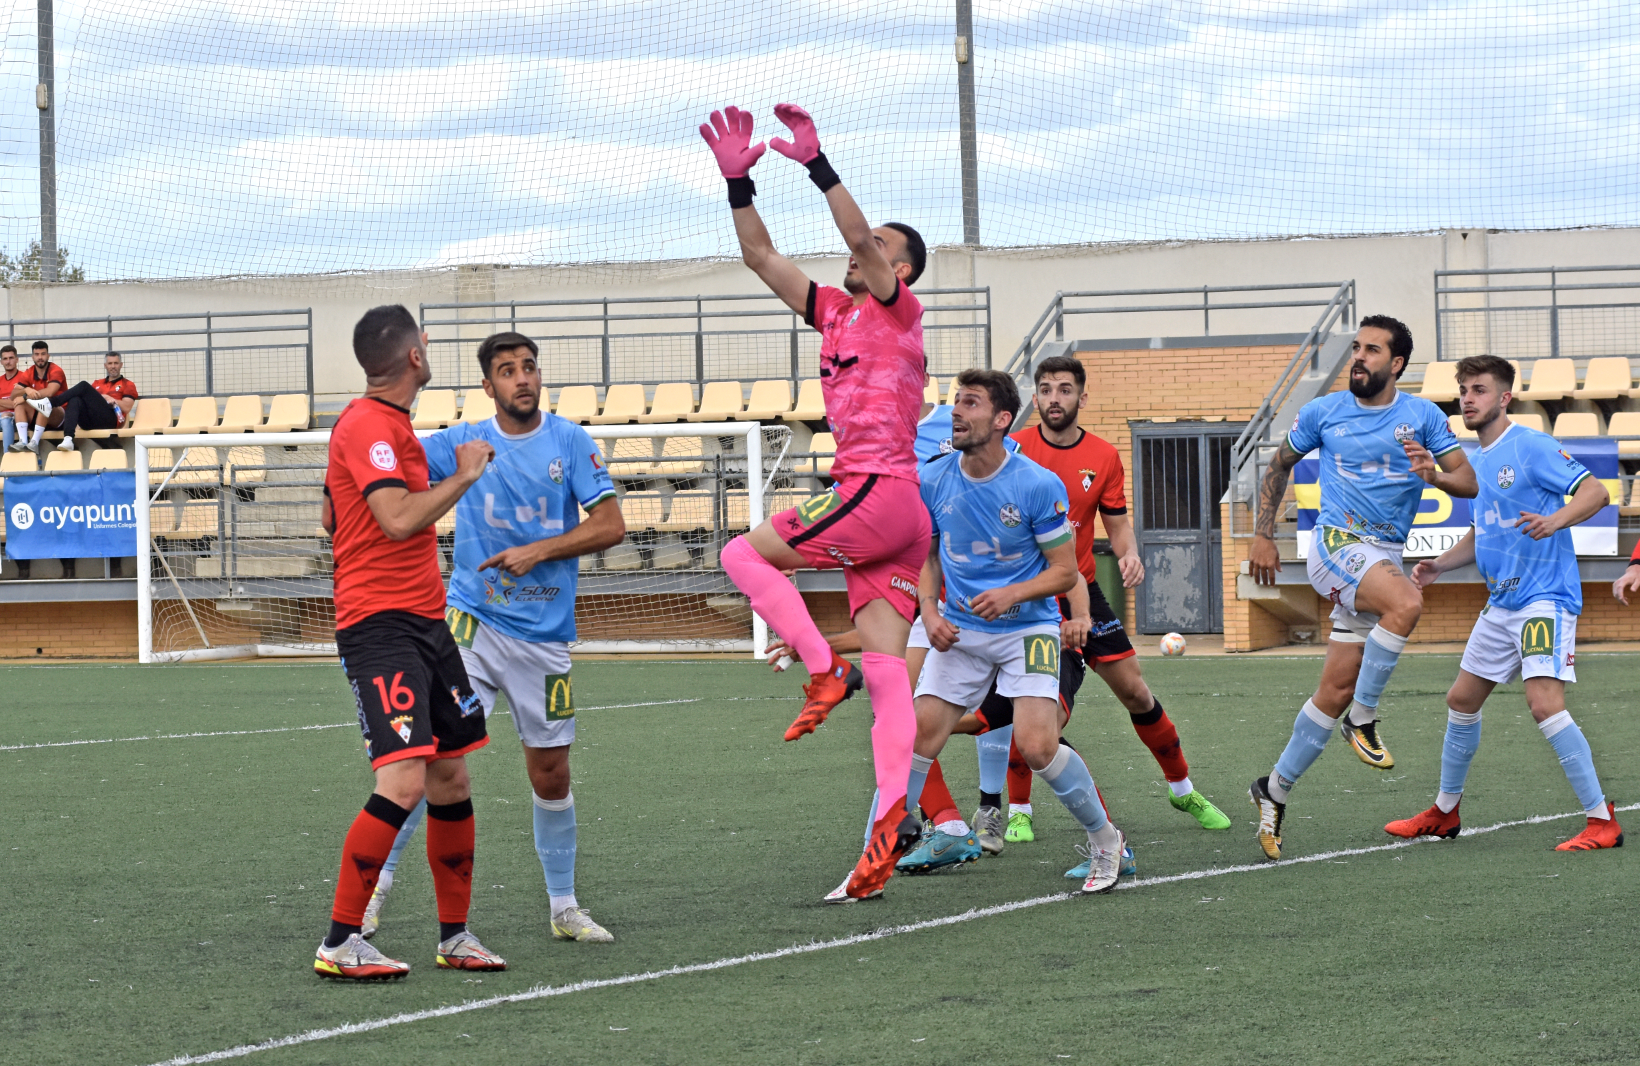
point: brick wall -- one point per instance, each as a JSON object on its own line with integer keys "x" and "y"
{"x": 70, "y": 631}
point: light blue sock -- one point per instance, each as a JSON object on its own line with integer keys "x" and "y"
{"x": 1383, "y": 651}
{"x": 1576, "y": 759}
{"x": 1311, "y": 731}
{"x": 555, "y": 844}
{"x": 409, "y": 827}
{"x": 1463, "y": 739}
{"x": 1068, "y": 776}
{"x": 993, "y": 759}
{"x": 8, "y": 433}
{"x": 915, "y": 782}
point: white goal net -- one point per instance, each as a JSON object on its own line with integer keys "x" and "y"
{"x": 233, "y": 561}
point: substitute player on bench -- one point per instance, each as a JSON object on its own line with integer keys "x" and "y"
{"x": 418, "y": 712}
{"x": 1378, "y": 448}
{"x": 1522, "y": 543}
{"x": 872, "y": 523}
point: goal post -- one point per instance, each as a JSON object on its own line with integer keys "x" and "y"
{"x": 232, "y": 561}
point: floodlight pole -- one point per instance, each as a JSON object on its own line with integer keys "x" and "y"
{"x": 44, "y": 94}
{"x": 968, "y": 129}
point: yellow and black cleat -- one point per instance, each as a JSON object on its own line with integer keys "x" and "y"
{"x": 1363, "y": 740}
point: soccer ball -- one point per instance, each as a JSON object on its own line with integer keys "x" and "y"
{"x": 1172, "y": 645}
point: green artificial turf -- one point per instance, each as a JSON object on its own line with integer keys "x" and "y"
{"x": 166, "y": 895}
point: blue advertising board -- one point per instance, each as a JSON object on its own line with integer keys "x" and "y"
{"x": 72, "y": 516}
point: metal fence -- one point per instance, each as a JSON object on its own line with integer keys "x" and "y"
{"x": 1538, "y": 312}
{"x": 651, "y": 339}
{"x": 206, "y": 353}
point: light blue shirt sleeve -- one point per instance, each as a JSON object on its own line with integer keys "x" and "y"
{"x": 926, "y": 490}
{"x": 587, "y": 476}
{"x": 1552, "y": 469}
{"x": 441, "y": 453}
{"x": 1050, "y": 512}
{"x": 1305, "y": 436}
{"x": 1438, "y": 435}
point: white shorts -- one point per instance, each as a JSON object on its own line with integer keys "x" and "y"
{"x": 1539, "y": 640}
{"x": 534, "y": 678}
{"x": 1023, "y": 662}
{"x": 1337, "y": 574}
{"x": 919, "y": 634}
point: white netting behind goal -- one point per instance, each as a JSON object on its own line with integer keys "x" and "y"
{"x": 238, "y": 564}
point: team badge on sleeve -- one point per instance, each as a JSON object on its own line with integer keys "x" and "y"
{"x": 382, "y": 457}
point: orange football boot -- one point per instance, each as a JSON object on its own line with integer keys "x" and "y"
{"x": 1599, "y": 833}
{"x": 891, "y": 837}
{"x": 1431, "y": 823}
{"x": 842, "y": 680}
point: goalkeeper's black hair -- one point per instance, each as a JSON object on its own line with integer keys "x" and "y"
{"x": 916, "y": 252}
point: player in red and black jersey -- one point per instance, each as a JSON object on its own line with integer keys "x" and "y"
{"x": 33, "y": 396}
{"x": 418, "y": 712}
{"x": 1095, "y": 480}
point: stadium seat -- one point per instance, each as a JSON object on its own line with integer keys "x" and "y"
{"x": 1529, "y": 419}
{"x": 199, "y": 466}
{"x": 435, "y": 409}
{"x": 1621, "y": 424}
{"x": 187, "y": 520}
{"x": 681, "y": 457}
{"x": 674, "y": 402}
{"x": 770, "y": 399}
{"x": 643, "y": 510}
{"x": 931, "y": 391}
{"x": 61, "y": 460}
{"x": 1552, "y": 379}
{"x": 241, "y": 414}
{"x": 720, "y": 401}
{"x": 811, "y": 403}
{"x": 622, "y": 404}
{"x": 110, "y": 459}
{"x": 623, "y": 556}
{"x": 287, "y": 412}
{"x": 197, "y": 415}
{"x": 826, "y": 446}
{"x": 777, "y": 500}
{"x": 578, "y": 403}
{"x": 148, "y": 416}
{"x": 247, "y": 456}
{"x": 670, "y": 553}
{"x": 18, "y": 463}
{"x": 1440, "y": 382}
{"x": 1608, "y": 378}
{"x": 1458, "y": 430}
{"x": 737, "y": 511}
{"x": 630, "y": 457}
{"x": 690, "y": 511}
{"x": 1577, "y": 424}
{"x": 477, "y": 406}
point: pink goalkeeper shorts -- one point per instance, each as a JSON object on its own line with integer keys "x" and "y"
{"x": 873, "y": 527}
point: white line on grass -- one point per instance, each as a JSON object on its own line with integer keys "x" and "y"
{"x": 551, "y": 991}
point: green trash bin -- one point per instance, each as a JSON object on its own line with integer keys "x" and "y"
{"x": 1109, "y": 578}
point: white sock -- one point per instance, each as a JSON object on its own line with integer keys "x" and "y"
{"x": 560, "y": 904}
{"x": 39, "y": 431}
{"x": 1181, "y": 789}
{"x": 1105, "y": 838}
{"x": 384, "y": 882}
{"x": 1447, "y": 801}
{"x": 956, "y": 827}
{"x": 1601, "y": 812}
{"x": 1361, "y": 714}
{"x": 1272, "y": 785}
{"x": 1019, "y": 808}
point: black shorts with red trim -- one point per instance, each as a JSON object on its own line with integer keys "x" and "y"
{"x": 998, "y": 711}
{"x": 1108, "y": 640}
{"x": 411, "y": 689}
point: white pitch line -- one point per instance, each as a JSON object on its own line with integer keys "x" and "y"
{"x": 552, "y": 991}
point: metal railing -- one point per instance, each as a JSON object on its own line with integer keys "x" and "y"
{"x": 1524, "y": 319}
{"x": 1052, "y": 320}
{"x": 204, "y": 353}
{"x": 651, "y": 339}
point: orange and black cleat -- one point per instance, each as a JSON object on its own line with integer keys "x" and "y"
{"x": 840, "y": 681}
{"x": 1431, "y": 823}
{"x": 891, "y": 838}
{"x": 1599, "y": 833}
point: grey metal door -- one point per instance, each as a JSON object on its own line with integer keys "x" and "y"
{"x": 1180, "y": 472}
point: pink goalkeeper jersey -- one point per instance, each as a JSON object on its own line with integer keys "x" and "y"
{"x": 872, "y": 369}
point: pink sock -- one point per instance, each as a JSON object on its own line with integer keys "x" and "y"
{"x": 895, "y": 726}
{"x": 780, "y": 604}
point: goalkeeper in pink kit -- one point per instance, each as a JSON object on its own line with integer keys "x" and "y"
{"x": 872, "y": 524}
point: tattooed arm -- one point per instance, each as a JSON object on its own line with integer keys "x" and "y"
{"x": 1264, "y": 560}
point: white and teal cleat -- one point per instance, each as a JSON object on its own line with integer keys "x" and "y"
{"x": 940, "y": 851}
{"x": 1129, "y": 867}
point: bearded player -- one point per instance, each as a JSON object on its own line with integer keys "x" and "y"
{"x": 872, "y": 522}
{"x": 419, "y": 714}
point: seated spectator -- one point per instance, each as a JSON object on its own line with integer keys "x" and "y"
{"x": 100, "y": 404}
{"x": 8, "y": 382}
{"x": 30, "y": 399}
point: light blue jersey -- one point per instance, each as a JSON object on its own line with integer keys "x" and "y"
{"x": 1368, "y": 488}
{"x": 993, "y": 532}
{"x": 529, "y": 492}
{"x": 934, "y": 435}
{"x": 1525, "y": 470}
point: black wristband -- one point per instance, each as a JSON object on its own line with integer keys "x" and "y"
{"x": 741, "y": 191}
{"x": 821, "y": 174}
{"x": 1633, "y": 562}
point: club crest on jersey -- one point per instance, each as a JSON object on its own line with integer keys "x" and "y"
{"x": 1010, "y": 515}
{"x": 945, "y": 446}
{"x": 1404, "y": 432}
{"x": 382, "y": 457}
{"x": 555, "y": 470}
{"x": 855, "y": 317}
{"x": 401, "y": 726}
{"x": 1506, "y": 476}
{"x": 1087, "y": 478}
{"x": 499, "y": 592}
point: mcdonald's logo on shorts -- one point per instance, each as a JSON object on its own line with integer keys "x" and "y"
{"x": 463, "y": 626}
{"x": 1537, "y": 637}
{"x": 815, "y": 508}
{"x": 560, "y": 700}
{"x": 1042, "y": 654}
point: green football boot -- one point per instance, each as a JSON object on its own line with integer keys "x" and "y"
{"x": 1019, "y": 830}
{"x": 1200, "y": 808}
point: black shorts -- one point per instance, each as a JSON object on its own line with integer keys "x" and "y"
{"x": 998, "y": 711}
{"x": 1108, "y": 640}
{"x": 412, "y": 692}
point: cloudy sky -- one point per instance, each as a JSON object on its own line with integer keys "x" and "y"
{"x": 206, "y": 137}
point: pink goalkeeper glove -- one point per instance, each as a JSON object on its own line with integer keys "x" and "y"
{"x": 732, "y": 143}
{"x": 805, "y": 145}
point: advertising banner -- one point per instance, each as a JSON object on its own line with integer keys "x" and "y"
{"x": 72, "y": 516}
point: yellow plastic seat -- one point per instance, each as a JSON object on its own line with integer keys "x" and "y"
{"x": 643, "y": 510}
{"x": 826, "y": 444}
{"x": 256, "y": 459}
{"x": 18, "y": 463}
{"x": 681, "y": 457}
{"x": 241, "y": 414}
{"x": 198, "y": 415}
{"x": 674, "y": 402}
{"x": 811, "y": 403}
{"x": 188, "y": 520}
{"x": 578, "y": 403}
{"x": 1440, "y": 382}
{"x": 1577, "y": 424}
{"x": 737, "y": 508}
{"x": 477, "y": 406}
{"x": 931, "y": 391}
{"x": 1552, "y": 379}
{"x": 435, "y": 409}
{"x": 769, "y": 400}
{"x": 110, "y": 459}
{"x": 622, "y": 404}
{"x": 148, "y": 416}
{"x": 61, "y": 460}
{"x": 690, "y": 511}
{"x": 1608, "y": 378}
{"x": 1529, "y": 419}
{"x": 720, "y": 401}
{"x": 631, "y": 457}
{"x": 1621, "y": 424}
{"x": 1459, "y": 430}
{"x": 199, "y": 466}
{"x": 287, "y": 412}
